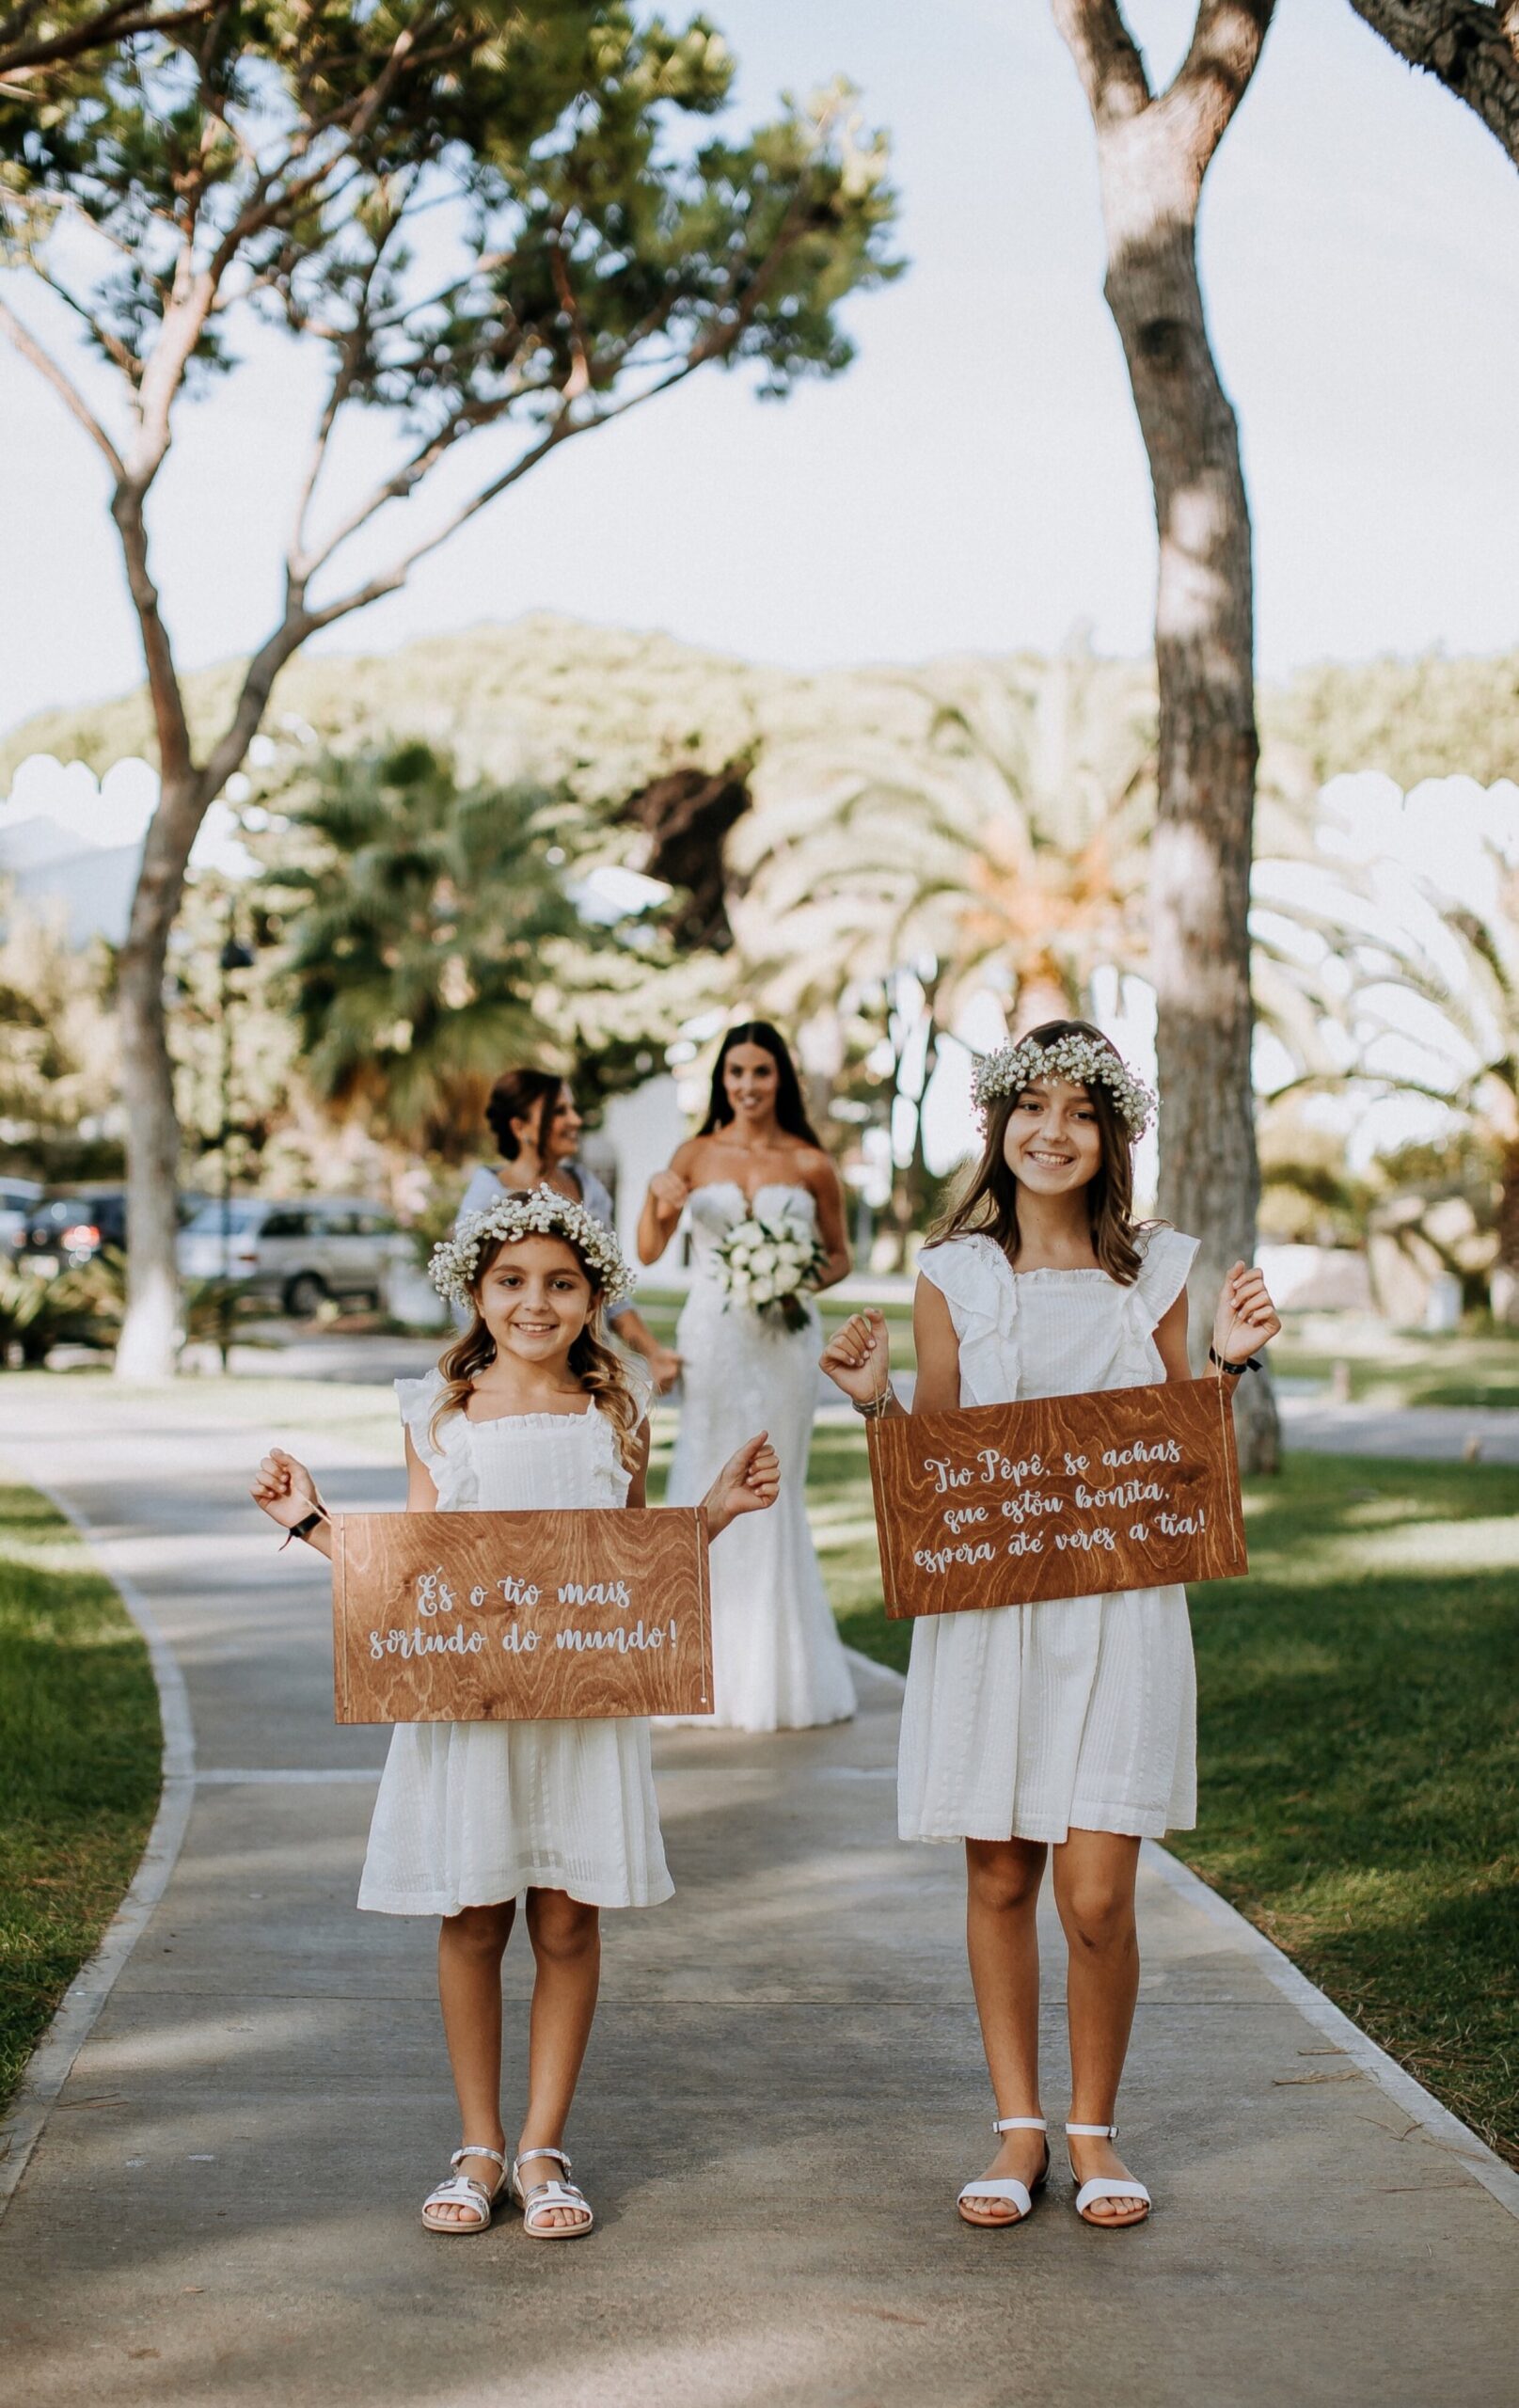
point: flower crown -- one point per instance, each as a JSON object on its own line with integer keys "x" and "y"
{"x": 1080, "y": 1059}
{"x": 540, "y": 1213}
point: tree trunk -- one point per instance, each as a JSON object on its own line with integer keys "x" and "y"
{"x": 147, "y": 1347}
{"x": 1152, "y": 155}
{"x": 1203, "y": 843}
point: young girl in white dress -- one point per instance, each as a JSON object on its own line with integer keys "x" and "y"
{"x": 1068, "y": 1726}
{"x": 528, "y": 1410}
{"x": 778, "y": 1661}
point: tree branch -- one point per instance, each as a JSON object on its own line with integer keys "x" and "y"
{"x": 114, "y": 348}
{"x": 1471, "y": 49}
{"x": 22, "y": 58}
{"x": 176, "y": 760}
{"x": 74, "y": 401}
{"x": 1108, "y": 58}
{"x": 1210, "y": 82}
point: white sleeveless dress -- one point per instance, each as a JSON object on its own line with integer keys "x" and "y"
{"x": 778, "y": 1662}
{"x": 470, "y": 1814}
{"x": 1023, "y": 1721}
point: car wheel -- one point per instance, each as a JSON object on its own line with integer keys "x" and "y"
{"x": 306, "y": 1296}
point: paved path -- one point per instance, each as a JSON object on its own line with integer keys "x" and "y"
{"x": 783, "y": 2092}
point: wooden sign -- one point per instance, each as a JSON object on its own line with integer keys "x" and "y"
{"x": 1062, "y": 1497}
{"x": 560, "y": 1617}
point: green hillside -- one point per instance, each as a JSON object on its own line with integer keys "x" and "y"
{"x": 563, "y": 696}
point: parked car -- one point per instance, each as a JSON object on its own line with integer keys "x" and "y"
{"x": 69, "y": 1226}
{"x": 298, "y": 1252}
{"x": 17, "y": 1196}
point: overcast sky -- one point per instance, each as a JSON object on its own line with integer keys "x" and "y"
{"x": 975, "y": 480}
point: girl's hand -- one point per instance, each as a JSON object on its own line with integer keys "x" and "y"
{"x": 749, "y": 1482}
{"x": 669, "y": 1191}
{"x": 1246, "y": 1318}
{"x": 284, "y": 1489}
{"x": 857, "y": 1357}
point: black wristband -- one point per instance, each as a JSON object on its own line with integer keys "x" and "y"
{"x": 1232, "y": 1370}
{"x": 303, "y": 1529}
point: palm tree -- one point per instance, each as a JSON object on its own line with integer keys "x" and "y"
{"x": 1461, "y": 966}
{"x": 432, "y": 937}
{"x": 991, "y": 822}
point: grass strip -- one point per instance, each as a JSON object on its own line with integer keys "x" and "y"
{"x": 1358, "y": 1739}
{"x": 80, "y": 1751}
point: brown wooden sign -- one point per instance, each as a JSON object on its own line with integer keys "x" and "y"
{"x": 520, "y": 1617}
{"x": 1062, "y": 1496}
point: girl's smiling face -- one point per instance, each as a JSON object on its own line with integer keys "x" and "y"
{"x": 535, "y": 1298}
{"x": 1053, "y": 1143}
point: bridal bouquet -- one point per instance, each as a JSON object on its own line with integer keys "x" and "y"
{"x": 762, "y": 1264}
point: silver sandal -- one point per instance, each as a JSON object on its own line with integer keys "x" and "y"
{"x": 1105, "y": 2186}
{"x": 539, "y": 2199}
{"x": 463, "y": 2190}
{"x": 1006, "y": 2189}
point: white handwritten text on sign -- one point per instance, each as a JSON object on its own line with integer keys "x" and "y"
{"x": 520, "y": 1617}
{"x": 1060, "y": 1496}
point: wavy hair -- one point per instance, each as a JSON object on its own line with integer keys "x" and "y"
{"x": 598, "y": 1367}
{"x": 988, "y": 1205}
{"x": 789, "y": 1109}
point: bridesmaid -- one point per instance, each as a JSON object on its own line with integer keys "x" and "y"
{"x": 533, "y": 1115}
{"x": 778, "y": 1661}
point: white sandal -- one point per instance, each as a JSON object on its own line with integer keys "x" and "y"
{"x": 1017, "y": 2195}
{"x": 541, "y": 2198}
{"x": 1105, "y": 2186}
{"x": 463, "y": 2190}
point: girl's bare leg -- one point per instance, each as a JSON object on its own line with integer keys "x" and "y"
{"x": 566, "y": 1946}
{"x": 470, "y": 1948}
{"x": 1094, "y": 1881}
{"x": 1002, "y": 1880}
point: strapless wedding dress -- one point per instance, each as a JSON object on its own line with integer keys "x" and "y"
{"x": 778, "y": 1661}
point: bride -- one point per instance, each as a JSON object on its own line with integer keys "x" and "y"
{"x": 778, "y": 1660}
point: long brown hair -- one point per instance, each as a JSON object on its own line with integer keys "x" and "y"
{"x": 988, "y": 1206}
{"x": 599, "y": 1369}
{"x": 790, "y": 1111}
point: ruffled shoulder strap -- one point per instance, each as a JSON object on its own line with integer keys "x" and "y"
{"x": 973, "y": 1275}
{"x": 418, "y": 1399}
{"x": 1168, "y": 1257}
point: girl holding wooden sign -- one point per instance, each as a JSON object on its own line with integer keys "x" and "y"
{"x": 1066, "y": 1725}
{"x": 528, "y": 1410}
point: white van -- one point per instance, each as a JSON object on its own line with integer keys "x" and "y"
{"x": 298, "y": 1252}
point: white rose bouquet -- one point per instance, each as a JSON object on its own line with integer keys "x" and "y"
{"x": 763, "y": 1263}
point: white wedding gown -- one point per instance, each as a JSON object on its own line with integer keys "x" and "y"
{"x": 778, "y": 1661}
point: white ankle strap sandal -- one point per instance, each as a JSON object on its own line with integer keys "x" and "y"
{"x": 463, "y": 2190}
{"x": 539, "y": 2200}
{"x": 1005, "y": 2188}
{"x": 1105, "y": 2186}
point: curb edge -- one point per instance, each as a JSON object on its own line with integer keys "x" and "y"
{"x": 51, "y": 2060}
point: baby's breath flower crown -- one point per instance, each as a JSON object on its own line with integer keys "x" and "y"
{"x": 540, "y": 1213}
{"x": 1082, "y": 1060}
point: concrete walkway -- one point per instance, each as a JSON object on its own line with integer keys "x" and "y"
{"x": 783, "y": 2095}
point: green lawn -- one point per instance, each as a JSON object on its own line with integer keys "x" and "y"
{"x": 79, "y": 1764}
{"x": 1399, "y": 1366}
{"x": 1359, "y": 1742}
